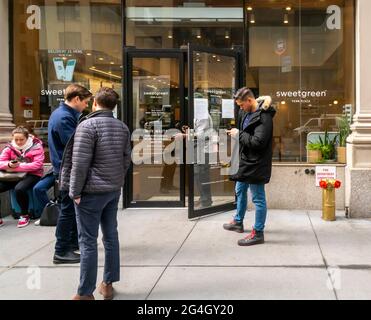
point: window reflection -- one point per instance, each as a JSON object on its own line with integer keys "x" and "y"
{"x": 79, "y": 41}
{"x": 173, "y": 24}
{"x": 302, "y": 54}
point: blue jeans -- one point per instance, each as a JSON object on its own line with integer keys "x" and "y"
{"x": 40, "y": 194}
{"x": 258, "y": 198}
{"x": 93, "y": 210}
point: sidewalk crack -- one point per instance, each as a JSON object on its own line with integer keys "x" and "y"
{"x": 171, "y": 260}
{"x": 323, "y": 257}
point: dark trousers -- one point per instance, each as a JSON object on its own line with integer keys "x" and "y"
{"x": 168, "y": 174}
{"x": 66, "y": 232}
{"x": 93, "y": 210}
{"x": 20, "y": 189}
{"x": 202, "y": 180}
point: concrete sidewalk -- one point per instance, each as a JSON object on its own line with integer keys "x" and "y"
{"x": 164, "y": 256}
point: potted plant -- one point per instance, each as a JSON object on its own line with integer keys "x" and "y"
{"x": 328, "y": 147}
{"x": 314, "y": 152}
{"x": 344, "y": 132}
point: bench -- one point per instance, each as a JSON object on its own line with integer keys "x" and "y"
{"x": 12, "y": 208}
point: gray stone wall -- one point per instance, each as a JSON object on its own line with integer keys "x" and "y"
{"x": 290, "y": 188}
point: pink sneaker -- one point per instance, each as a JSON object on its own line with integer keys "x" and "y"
{"x": 23, "y": 222}
{"x": 1, "y": 222}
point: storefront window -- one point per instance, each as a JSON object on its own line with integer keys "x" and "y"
{"x": 302, "y": 54}
{"x": 175, "y": 23}
{"x": 57, "y": 43}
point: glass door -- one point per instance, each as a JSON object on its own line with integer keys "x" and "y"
{"x": 214, "y": 76}
{"x": 154, "y": 83}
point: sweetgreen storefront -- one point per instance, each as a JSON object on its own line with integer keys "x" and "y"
{"x": 157, "y": 54}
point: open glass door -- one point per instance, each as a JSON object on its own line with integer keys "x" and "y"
{"x": 154, "y": 106}
{"x": 214, "y": 76}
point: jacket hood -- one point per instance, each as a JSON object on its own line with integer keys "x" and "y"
{"x": 266, "y": 105}
{"x": 35, "y": 142}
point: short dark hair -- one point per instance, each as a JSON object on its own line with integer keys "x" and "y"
{"x": 21, "y": 130}
{"x": 75, "y": 90}
{"x": 243, "y": 94}
{"x": 107, "y": 98}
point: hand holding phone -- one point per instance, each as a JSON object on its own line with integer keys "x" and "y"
{"x": 13, "y": 164}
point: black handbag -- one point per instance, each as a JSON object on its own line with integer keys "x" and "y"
{"x": 50, "y": 214}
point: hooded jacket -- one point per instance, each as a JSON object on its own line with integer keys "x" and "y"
{"x": 256, "y": 141}
{"x": 31, "y": 160}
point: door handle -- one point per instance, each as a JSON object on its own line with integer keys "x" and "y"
{"x": 190, "y": 134}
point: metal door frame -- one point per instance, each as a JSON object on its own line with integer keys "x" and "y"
{"x": 184, "y": 56}
{"x": 127, "y": 116}
{"x": 192, "y": 213}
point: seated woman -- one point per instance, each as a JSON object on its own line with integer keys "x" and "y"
{"x": 24, "y": 154}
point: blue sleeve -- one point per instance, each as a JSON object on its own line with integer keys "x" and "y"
{"x": 67, "y": 129}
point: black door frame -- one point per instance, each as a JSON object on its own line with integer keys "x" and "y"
{"x": 129, "y": 54}
{"x": 185, "y": 57}
{"x": 237, "y": 54}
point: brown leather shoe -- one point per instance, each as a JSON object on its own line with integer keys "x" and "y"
{"x": 83, "y": 298}
{"x": 106, "y": 290}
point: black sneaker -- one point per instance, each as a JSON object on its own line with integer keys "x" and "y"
{"x": 234, "y": 226}
{"x": 68, "y": 258}
{"x": 255, "y": 237}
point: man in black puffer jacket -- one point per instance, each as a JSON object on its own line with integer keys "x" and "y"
{"x": 94, "y": 173}
{"x": 255, "y": 134}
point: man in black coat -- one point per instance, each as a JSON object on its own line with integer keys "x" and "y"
{"x": 255, "y": 134}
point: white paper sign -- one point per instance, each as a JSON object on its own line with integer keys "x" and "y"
{"x": 201, "y": 109}
{"x": 228, "y": 109}
{"x": 323, "y": 172}
{"x": 286, "y": 64}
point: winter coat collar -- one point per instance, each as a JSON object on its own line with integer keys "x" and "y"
{"x": 71, "y": 110}
{"x": 99, "y": 113}
{"x": 36, "y": 143}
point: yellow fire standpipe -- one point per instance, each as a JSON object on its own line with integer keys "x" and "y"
{"x": 328, "y": 204}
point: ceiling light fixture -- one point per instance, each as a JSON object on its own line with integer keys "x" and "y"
{"x": 286, "y": 18}
{"x": 105, "y": 73}
{"x": 252, "y": 18}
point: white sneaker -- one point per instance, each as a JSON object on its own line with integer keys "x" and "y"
{"x": 37, "y": 222}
